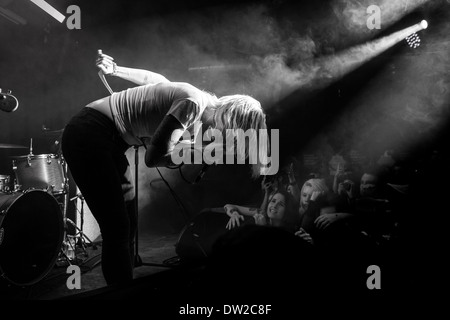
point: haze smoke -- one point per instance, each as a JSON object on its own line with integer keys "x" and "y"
{"x": 267, "y": 51}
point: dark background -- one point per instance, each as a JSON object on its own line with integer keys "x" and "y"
{"x": 399, "y": 100}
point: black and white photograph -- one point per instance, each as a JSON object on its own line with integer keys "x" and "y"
{"x": 224, "y": 158}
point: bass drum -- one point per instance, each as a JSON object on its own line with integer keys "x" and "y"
{"x": 31, "y": 234}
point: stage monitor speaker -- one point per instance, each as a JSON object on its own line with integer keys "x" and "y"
{"x": 197, "y": 238}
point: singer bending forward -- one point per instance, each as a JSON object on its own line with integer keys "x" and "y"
{"x": 154, "y": 114}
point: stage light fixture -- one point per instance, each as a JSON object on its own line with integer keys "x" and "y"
{"x": 413, "y": 40}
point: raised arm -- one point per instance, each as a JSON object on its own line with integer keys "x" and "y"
{"x": 138, "y": 76}
{"x": 266, "y": 186}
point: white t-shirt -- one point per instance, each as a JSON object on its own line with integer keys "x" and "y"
{"x": 138, "y": 111}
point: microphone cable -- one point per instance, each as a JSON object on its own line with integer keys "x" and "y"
{"x": 172, "y": 192}
{"x": 185, "y": 179}
{"x": 175, "y": 196}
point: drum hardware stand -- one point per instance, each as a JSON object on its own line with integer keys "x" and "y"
{"x": 82, "y": 237}
{"x": 31, "y": 150}
{"x": 137, "y": 259}
{"x": 79, "y": 239}
{"x": 66, "y": 245}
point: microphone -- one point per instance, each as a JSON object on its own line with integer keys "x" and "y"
{"x": 102, "y": 76}
{"x": 202, "y": 173}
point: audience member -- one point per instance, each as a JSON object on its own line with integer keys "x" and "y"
{"x": 279, "y": 212}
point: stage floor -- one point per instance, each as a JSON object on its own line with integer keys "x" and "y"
{"x": 153, "y": 249}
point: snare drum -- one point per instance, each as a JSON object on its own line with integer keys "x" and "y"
{"x": 43, "y": 171}
{"x": 4, "y": 183}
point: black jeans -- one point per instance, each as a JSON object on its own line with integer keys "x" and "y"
{"x": 95, "y": 155}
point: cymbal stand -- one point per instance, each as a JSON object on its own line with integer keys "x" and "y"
{"x": 80, "y": 235}
{"x": 71, "y": 242}
{"x": 67, "y": 252}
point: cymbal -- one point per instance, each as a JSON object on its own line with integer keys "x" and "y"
{"x": 11, "y": 146}
{"x": 54, "y": 131}
{"x": 50, "y": 131}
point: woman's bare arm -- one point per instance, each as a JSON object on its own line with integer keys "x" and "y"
{"x": 138, "y": 76}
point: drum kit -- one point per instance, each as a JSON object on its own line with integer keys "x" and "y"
{"x": 33, "y": 218}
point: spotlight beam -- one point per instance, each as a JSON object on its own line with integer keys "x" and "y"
{"x": 331, "y": 68}
{"x": 49, "y": 9}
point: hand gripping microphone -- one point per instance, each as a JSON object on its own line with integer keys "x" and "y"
{"x": 102, "y": 76}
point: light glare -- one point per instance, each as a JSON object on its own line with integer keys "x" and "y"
{"x": 424, "y": 24}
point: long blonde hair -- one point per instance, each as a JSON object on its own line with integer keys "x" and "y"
{"x": 243, "y": 112}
